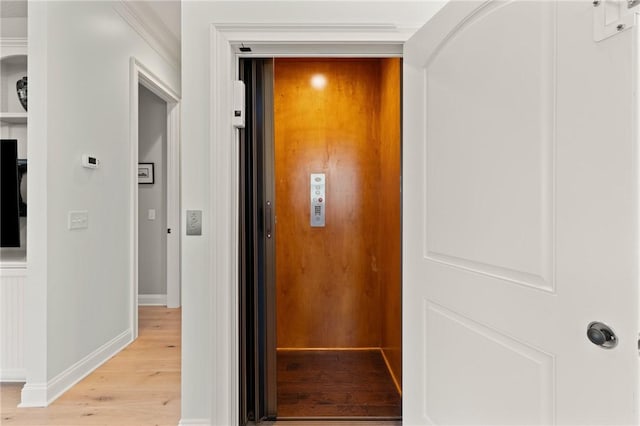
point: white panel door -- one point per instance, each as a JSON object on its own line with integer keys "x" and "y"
{"x": 520, "y": 217}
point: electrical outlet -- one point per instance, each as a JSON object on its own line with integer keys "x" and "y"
{"x": 78, "y": 219}
{"x": 194, "y": 222}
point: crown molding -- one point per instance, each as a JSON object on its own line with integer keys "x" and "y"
{"x": 321, "y": 33}
{"x": 146, "y": 23}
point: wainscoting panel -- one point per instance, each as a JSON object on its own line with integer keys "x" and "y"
{"x": 12, "y": 284}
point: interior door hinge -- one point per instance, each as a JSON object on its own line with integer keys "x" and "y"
{"x": 611, "y": 17}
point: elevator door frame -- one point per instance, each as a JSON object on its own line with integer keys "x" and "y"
{"x": 267, "y": 40}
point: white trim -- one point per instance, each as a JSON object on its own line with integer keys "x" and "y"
{"x": 36, "y": 345}
{"x": 302, "y": 50}
{"x": 194, "y": 422}
{"x": 151, "y": 29}
{"x": 6, "y": 42}
{"x": 154, "y": 83}
{"x": 223, "y": 241}
{"x": 152, "y": 300}
{"x": 13, "y": 269}
{"x": 42, "y": 394}
{"x": 133, "y": 195}
{"x": 140, "y": 74}
{"x": 13, "y": 375}
{"x": 13, "y": 46}
{"x": 224, "y": 176}
{"x": 174, "y": 289}
{"x": 313, "y": 34}
{"x": 34, "y": 395}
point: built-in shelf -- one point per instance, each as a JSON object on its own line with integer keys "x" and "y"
{"x": 13, "y": 123}
{"x": 13, "y": 117}
{"x": 11, "y": 258}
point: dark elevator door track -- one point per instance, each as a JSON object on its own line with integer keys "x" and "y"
{"x": 335, "y": 384}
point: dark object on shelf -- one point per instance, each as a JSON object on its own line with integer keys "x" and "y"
{"x": 9, "y": 198}
{"x": 22, "y": 170}
{"x": 21, "y": 88}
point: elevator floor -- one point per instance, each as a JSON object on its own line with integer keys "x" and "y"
{"x": 335, "y": 384}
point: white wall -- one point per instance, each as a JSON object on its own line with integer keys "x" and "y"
{"x": 200, "y": 353}
{"x": 13, "y": 27}
{"x": 78, "y": 295}
{"x": 152, "y": 233}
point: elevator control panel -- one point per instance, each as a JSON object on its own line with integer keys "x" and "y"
{"x": 318, "y": 201}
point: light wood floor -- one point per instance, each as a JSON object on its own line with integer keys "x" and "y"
{"x": 140, "y": 386}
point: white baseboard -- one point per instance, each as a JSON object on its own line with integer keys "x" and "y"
{"x": 43, "y": 394}
{"x": 194, "y": 422}
{"x": 34, "y": 395}
{"x": 152, "y": 300}
{"x": 13, "y": 375}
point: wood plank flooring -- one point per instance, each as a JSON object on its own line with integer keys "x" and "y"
{"x": 335, "y": 384}
{"x": 140, "y": 386}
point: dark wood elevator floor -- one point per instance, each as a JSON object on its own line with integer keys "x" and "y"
{"x": 335, "y": 384}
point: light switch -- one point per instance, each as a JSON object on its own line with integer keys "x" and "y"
{"x": 151, "y": 214}
{"x": 194, "y": 222}
{"x": 78, "y": 219}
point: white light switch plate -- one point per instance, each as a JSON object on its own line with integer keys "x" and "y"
{"x": 78, "y": 219}
{"x": 194, "y": 222}
{"x": 151, "y": 214}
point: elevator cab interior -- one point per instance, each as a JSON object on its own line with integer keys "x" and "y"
{"x": 320, "y": 232}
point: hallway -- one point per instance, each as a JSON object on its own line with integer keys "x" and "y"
{"x": 139, "y": 386}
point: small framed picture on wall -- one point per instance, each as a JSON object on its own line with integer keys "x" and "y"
{"x": 145, "y": 173}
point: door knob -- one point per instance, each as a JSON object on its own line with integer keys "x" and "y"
{"x": 601, "y": 335}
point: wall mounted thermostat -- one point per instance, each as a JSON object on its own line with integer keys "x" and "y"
{"x": 238, "y": 104}
{"x": 318, "y": 200}
{"x": 90, "y": 162}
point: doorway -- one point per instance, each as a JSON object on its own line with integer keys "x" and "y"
{"x": 152, "y": 199}
{"x": 145, "y": 85}
{"x": 321, "y": 299}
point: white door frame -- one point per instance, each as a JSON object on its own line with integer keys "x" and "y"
{"x": 142, "y": 75}
{"x": 353, "y": 40}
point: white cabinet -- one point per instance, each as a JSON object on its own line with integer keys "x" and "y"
{"x": 13, "y": 125}
{"x": 13, "y": 261}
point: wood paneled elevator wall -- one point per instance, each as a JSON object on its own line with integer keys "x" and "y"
{"x": 339, "y": 286}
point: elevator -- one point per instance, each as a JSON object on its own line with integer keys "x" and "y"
{"x": 320, "y": 239}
